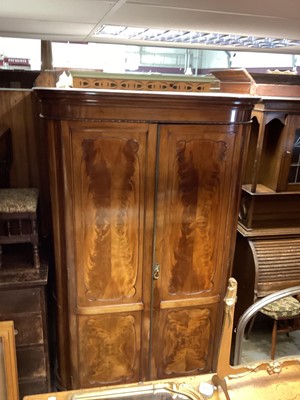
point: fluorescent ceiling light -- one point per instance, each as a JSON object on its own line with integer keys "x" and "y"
{"x": 203, "y": 39}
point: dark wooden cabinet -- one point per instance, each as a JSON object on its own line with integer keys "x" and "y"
{"x": 268, "y": 246}
{"x": 23, "y": 300}
{"x": 144, "y": 190}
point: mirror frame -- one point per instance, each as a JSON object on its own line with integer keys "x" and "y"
{"x": 8, "y": 361}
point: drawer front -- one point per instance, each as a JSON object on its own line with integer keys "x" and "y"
{"x": 27, "y": 388}
{"x": 20, "y": 301}
{"x": 31, "y": 362}
{"x": 28, "y": 330}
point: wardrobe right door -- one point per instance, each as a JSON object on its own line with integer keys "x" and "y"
{"x": 196, "y": 209}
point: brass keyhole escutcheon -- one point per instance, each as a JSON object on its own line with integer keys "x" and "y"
{"x": 156, "y": 272}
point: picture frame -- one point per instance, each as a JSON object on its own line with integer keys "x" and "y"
{"x": 9, "y": 389}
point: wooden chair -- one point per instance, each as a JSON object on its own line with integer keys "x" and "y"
{"x": 18, "y": 207}
{"x": 281, "y": 311}
{"x": 286, "y": 317}
{"x": 18, "y": 219}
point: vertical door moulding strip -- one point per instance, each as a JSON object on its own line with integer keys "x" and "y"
{"x": 153, "y": 251}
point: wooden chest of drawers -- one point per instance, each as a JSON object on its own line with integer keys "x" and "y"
{"x": 23, "y": 300}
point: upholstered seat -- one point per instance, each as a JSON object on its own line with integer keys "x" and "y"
{"x": 286, "y": 315}
{"x": 18, "y": 200}
{"x": 18, "y": 218}
{"x": 287, "y": 307}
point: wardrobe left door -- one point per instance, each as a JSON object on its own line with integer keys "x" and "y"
{"x": 109, "y": 187}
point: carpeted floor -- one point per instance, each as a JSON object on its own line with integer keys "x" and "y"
{"x": 258, "y": 345}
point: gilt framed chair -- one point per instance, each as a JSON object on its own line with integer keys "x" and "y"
{"x": 280, "y": 306}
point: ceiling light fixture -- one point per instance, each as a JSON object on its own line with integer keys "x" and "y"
{"x": 203, "y": 39}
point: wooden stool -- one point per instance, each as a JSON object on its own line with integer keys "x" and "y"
{"x": 18, "y": 219}
{"x": 285, "y": 314}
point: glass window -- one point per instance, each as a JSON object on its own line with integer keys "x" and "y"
{"x": 294, "y": 175}
{"x": 20, "y": 54}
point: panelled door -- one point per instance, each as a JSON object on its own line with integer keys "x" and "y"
{"x": 112, "y": 178}
{"x": 147, "y": 260}
{"x": 194, "y": 180}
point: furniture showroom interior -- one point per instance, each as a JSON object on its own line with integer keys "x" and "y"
{"x": 149, "y": 200}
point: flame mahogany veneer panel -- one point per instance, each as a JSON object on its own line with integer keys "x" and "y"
{"x": 109, "y": 177}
